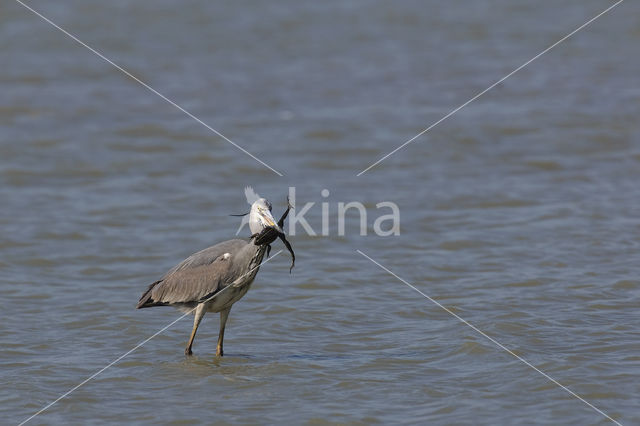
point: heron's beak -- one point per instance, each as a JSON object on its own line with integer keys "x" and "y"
{"x": 269, "y": 220}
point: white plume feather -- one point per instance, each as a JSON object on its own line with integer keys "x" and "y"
{"x": 251, "y": 195}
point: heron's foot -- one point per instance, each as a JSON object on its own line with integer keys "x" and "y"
{"x": 187, "y": 352}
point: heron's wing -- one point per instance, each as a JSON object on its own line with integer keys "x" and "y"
{"x": 195, "y": 278}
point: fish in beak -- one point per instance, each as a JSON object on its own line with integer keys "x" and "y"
{"x": 273, "y": 230}
{"x": 267, "y": 220}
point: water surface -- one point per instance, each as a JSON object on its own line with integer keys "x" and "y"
{"x": 520, "y": 213}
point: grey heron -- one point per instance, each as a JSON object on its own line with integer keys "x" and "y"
{"x": 213, "y": 279}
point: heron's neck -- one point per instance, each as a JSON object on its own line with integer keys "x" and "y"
{"x": 256, "y": 254}
{"x": 259, "y": 254}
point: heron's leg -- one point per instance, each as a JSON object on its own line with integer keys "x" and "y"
{"x": 223, "y": 321}
{"x": 200, "y": 311}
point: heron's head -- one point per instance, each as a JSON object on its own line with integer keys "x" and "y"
{"x": 260, "y": 217}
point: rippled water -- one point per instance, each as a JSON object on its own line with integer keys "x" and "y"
{"x": 520, "y": 213}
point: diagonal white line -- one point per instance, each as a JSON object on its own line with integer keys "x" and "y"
{"x": 491, "y": 87}
{"x": 145, "y": 85}
{"x": 112, "y": 363}
{"x": 494, "y": 341}
{"x": 102, "y": 369}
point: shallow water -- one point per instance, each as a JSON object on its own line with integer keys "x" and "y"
{"x": 520, "y": 213}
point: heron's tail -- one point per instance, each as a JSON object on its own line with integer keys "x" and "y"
{"x": 146, "y": 301}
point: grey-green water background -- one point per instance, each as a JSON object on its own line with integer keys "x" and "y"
{"x": 520, "y": 213}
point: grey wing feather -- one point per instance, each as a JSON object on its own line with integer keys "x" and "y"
{"x": 208, "y": 255}
{"x": 195, "y": 278}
